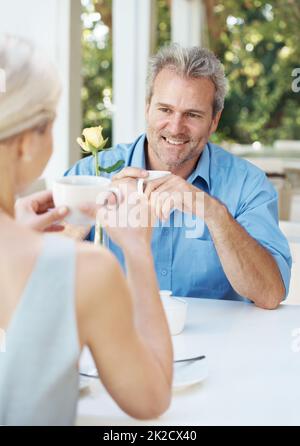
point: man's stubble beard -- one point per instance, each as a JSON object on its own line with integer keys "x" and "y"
{"x": 192, "y": 154}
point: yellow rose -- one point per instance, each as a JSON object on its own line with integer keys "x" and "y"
{"x": 94, "y": 136}
{"x": 92, "y": 142}
{"x": 93, "y": 139}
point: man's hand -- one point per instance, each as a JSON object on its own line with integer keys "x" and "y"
{"x": 170, "y": 192}
{"x": 127, "y": 217}
{"x": 173, "y": 192}
{"x": 38, "y": 212}
{"x": 128, "y": 174}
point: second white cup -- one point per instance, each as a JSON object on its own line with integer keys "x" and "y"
{"x": 176, "y": 312}
{"x": 153, "y": 175}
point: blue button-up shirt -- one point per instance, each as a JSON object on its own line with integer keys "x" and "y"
{"x": 185, "y": 257}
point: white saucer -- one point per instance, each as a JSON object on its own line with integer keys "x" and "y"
{"x": 189, "y": 373}
{"x": 185, "y": 374}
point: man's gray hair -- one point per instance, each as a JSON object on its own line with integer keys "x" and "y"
{"x": 193, "y": 62}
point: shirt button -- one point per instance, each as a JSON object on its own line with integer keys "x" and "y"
{"x": 164, "y": 272}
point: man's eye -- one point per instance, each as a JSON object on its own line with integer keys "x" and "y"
{"x": 164, "y": 110}
{"x": 193, "y": 115}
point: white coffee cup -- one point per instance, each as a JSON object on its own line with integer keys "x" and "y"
{"x": 176, "y": 311}
{"x": 75, "y": 191}
{"x": 153, "y": 175}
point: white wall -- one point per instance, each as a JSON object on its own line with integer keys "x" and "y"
{"x": 187, "y": 22}
{"x": 132, "y": 39}
{"x": 54, "y": 25}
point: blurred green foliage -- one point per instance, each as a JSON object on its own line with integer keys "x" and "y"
{"x": 258, "y": 42}
{"x": 97, "y": 65}
{"x": 163, "y": 23}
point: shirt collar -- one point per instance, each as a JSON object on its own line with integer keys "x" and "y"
{"x": 138, "y": 156}
{"x": 201, "y": 170}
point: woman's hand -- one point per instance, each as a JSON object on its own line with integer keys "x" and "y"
{"x": 38, "y": 212}
{"x": 126, "y": 216}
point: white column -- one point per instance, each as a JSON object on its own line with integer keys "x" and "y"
{"x": 132, "y": 38}
{"x": 54, "y": 26}
{"x": 187, "y": 22}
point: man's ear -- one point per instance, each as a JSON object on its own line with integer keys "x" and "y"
{"x": 147, "y": 106}
{"x": 215, "y": 122}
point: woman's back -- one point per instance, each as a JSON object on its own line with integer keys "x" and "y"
{"x": 60, "y": 309}
{"x": 121, "y": 321}
{"x": 38, "y": 370}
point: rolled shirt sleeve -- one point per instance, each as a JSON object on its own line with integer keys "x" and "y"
{"x": 258, "y": 214}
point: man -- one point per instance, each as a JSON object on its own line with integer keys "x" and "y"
{"x": 241, "y": 253}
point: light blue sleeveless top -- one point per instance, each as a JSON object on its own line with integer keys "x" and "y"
{"x": 38, "y": 370}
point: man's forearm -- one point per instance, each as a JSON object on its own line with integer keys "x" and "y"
{"x": 250, "y": 268}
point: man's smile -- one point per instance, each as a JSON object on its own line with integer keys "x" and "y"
{"x": 174, "y": 141}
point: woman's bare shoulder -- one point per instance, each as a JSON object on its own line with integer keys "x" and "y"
{"x": 97, "y": 268}
{"x": 98, "y": 257}
{"x": 99, "y": 284}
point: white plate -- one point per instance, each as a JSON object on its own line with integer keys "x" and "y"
{"x": 185, "y": 374}
{"x": 189, "y": 373}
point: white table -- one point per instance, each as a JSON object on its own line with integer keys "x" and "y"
{"x": 254, "y": 370}
{"x": 291, "y": 230}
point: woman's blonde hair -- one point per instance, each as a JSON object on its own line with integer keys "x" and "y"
{"x": 31, "y": 90}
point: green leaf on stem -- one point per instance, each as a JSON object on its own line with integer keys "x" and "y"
{"x": 112, "y": 168}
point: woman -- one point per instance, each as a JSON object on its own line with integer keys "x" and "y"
{"x": 57, "y": 295}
